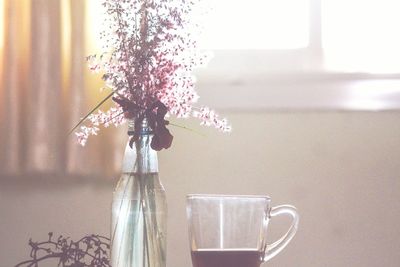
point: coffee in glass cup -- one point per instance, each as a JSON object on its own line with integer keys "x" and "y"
{"x": 231, "y": 230}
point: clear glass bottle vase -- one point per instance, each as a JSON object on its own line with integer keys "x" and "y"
{"x": 139, "y": 208}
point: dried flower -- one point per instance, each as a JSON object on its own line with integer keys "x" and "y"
{"x": 89, "y": 251}
{"x": 150, "y": 54}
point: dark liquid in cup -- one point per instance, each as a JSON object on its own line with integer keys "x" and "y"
{"x": 226, "y": 258}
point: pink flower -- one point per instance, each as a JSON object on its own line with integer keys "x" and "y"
{"x": 150, "y": 54}
{"x": 208, "y": 117}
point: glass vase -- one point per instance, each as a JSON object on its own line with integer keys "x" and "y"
{"x": 139, "y": 208}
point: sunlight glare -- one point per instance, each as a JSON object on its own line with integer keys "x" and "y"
{"x": 361, "y": 35}
{"x": 373, "y": 95}
{"x": 257, "y": 24}
{"x": 2, "y": 15}
{"x": 94, "y": 25}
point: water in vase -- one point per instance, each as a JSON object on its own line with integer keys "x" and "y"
{"x": 138, "y": 234}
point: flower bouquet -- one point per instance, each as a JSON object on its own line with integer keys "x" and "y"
{"x": 149, "y": 55}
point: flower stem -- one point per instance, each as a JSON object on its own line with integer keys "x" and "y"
{"x": 186, "y": 128}
{"x": 93, "y": 110}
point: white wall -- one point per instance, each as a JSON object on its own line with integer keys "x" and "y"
{"x": 340, "y": 169}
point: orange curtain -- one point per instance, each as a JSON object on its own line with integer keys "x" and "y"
{"x": 46, "y": 89}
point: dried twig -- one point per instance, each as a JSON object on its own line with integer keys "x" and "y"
{"x": 89, "y": 251}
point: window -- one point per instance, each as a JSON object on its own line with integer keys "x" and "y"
{"x": 361, "y": 35}
{"x": 257, "y": 24}
{"x": 316, "y": 54}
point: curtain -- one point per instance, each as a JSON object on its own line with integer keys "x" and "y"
{"x": 46, "y": 89}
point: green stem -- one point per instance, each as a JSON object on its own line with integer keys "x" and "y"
{"x": 93, "y": 110}
{"x": 186, "y": 128}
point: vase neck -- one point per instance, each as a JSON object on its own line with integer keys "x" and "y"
{"x": 140, "y": 158}
{"x": 144, "y": 128}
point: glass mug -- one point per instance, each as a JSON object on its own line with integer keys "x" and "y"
{"x": 231, "y": 231}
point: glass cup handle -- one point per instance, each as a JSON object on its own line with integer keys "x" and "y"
{"x": 276, "y": 247}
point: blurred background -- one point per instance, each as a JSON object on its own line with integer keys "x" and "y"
{"x": 311, "y": 87}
